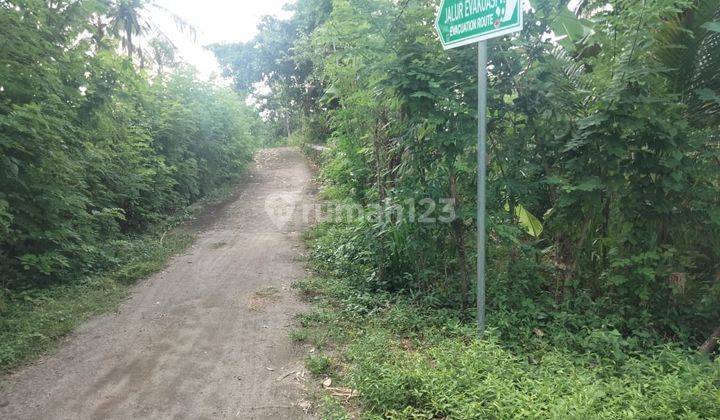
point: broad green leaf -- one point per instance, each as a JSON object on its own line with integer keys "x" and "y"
{"x": 532, "y": 225}
{"x": 527, "y": 220}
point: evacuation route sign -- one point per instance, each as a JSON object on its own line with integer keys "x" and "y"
{"x": 462, "y": 22}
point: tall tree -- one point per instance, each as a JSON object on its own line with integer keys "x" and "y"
{"x": 132, "y": 21}
{"x": 271, "y": 58}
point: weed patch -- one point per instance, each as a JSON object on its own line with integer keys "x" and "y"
{"x": 408, "y": 359}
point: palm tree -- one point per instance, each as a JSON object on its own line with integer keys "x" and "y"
{"x": 125, "y": 18}
{"x": 131, "y": 21}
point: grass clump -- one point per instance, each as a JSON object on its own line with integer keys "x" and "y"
{"x": 299, "y": 336}
{"x": 319, "y": 364}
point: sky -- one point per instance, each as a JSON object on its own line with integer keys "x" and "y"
{"x": 215, "y": 21}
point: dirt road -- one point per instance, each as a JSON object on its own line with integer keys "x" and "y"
{"x": 205, "y": 338}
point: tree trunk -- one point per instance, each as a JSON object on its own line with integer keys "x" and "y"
{"x": 566, "y": 262}
{"x": 459, "y": 233}
{"x": 99, "y": 32}
{"x": 379, "y": 156}
{"x": 128, "y": 34}
{"x": 710, "y": 344}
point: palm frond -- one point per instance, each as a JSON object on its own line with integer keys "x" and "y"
{"x": 181, "y": 24}
{"x": 569, "y": 76}
{"x": 691, "y": 53}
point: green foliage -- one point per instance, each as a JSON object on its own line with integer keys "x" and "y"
{"x": 129, "y": 21}
{"x": 93, "y": 150}
{"x": 527, "y": 220}
{"x": 479, "y": 379}
{"x": 409, "y": 358}
{"x": 603, "y": 228}
{"x": 318, "y": 364}
{"x": 291, "y": 103}
{"x": 95, "y": 157}
{"x": 603, "y": 174}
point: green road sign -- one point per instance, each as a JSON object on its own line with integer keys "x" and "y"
{"x": 462, "y": 22}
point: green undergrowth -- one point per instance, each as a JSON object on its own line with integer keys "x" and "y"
{"x": 33, "y": 320}
{"x": 410, "y": 359}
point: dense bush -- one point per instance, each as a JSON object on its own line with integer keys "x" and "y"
{"x": 92, "y": 148}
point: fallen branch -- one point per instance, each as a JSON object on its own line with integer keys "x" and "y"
{"x": 286, "y": 375}
{"x": 347, "y": 393}
{"x": 342, "y": 392}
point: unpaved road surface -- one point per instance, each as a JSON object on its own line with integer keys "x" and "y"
{"x": 205, "y": 338}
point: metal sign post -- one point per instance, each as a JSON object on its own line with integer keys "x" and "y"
{"x": 463, "y": 22}
{"x": 482, "y": 170}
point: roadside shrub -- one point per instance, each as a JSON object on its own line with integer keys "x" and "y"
{"x": 93, "y": 150}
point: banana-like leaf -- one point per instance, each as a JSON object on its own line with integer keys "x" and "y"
{"x": 527, "y": 220}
